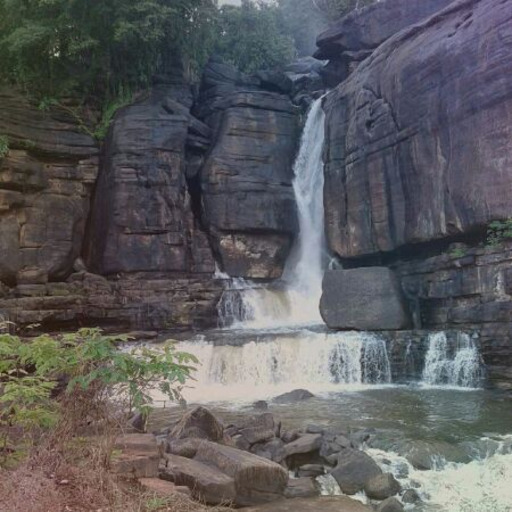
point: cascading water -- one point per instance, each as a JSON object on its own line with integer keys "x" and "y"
{"x": 454, "y": 364}
{"x": 245, "y": 304}
{"x": 261, "y": 368}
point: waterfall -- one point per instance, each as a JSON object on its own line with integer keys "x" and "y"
{"x": 454, "y": 364}
{"x": 266, "y": 366}
{"x": 246, "y": 304}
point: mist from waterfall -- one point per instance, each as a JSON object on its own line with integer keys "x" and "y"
{"x": 248, "y": 305}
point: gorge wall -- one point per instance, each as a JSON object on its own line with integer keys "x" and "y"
{"x": 418, "y": 156}
{"x": 125, "y": 236}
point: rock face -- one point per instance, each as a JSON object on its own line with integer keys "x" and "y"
{"x": 363, "y": 299}
{"x": 46, "y": 181}
{"x": 142, "y": 217}
{"x": 354, "y": 37}
{"x": 325, "y": 504}
{"x": 247, "y": 198}
{"x": 419, "y": 136}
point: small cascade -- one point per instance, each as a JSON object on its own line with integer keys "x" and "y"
{"x": 305, "y": 359}
{"x": 452, "y": 364}
{"x": 249, "y": 305}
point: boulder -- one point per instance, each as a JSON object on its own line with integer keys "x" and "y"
{"x": 297, "y": 395}
{"x": 303, "y": 450}
{"x": 334, "y": 444}
{"x": 304, "y": 487}
{"x": 272, "y": 450}
{"x": 324, "y": 504}
{"x": 381, "y": 487}
{"x": 206, "y": 483}
{"x": 257, "y": 480}
{"x": 390, "y": 505}
{"x": 413, "y": 154}
{"x": 311, "y": 470}
{"x": 367, "y": 299}
{"x": 135, "y": 456}
{"x": 198, "y": 423}
{"x": 354, "y": 470}
{"x": 162, "y": 487}
{"x": 186, "y": 447}
{"x": 411, "y": 496}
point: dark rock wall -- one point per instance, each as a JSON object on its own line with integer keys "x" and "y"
{"x": 247, "y": 197}
{"x": 45, "y": 184}
{"x": 418, "y": 154}
{"x": 419, "y": 137}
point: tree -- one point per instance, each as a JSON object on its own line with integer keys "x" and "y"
{"x": 254, "y": 36}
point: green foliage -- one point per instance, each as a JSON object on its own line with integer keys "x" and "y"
{"x": 109, "y": 112}
{"x": 254, "y": 36}
{"x": 89, "y": 361}
{"x": 4, "y": 146}
{"x": 499, "y": 231}
{"x": 457, "y": 253}
{"x": 58, "y": 47}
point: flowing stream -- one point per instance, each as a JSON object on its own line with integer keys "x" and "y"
{"x": 272, "y": 341}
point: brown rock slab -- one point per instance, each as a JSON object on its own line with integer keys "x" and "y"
{"x": 322, "y": 504}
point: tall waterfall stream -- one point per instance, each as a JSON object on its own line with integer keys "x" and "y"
{"x": 272, "y": 341}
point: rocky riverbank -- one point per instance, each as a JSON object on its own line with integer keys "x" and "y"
{"x": 256, "y": 462}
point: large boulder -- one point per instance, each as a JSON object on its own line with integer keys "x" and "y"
{"x": 207, "y": 483}
{"x": 367, "y": 299}
{"x": 419, "y": 137}
{"x": 248, "y": 204}
{"x": 257, "y": 480}
{"x": 198, "y": 423}
{"x": 381, "y": 487}
{"x": 297, "y": 395}
{"x": 354, "y": 470}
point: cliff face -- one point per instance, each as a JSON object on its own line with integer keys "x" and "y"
{"x": 419, "y": 155}
{"x": 129, "y": 239}
{"x": 420, "y": 135}
{"x": 246, "y": 181}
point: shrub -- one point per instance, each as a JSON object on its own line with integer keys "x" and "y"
{"x": 499, "y": 231}
{"x": 80, "y": 379}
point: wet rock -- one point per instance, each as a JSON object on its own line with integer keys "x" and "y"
{"x": 241, "y": 442}
{"x": 257, "y": 480}
{"x": 301, "y": 488}
{"x": 206, "y": 483}
{"x": 354, "y": 470}
{"x": 260, "y": 405}
{"x": 381, "y": 487}
{"x": 390, "y": 505}
{"x": 410, "y": 496}
{"x": 198, "y": 423}
{"x": 363, "y": 299}
{"x": 315, "y": 429}
{"x": 311, "y": 470}
{"x": 297, "y": 395}
{"x": 332, "y": 445}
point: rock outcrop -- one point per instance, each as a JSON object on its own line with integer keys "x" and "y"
{"x": 419, "y": 136}
{"x": 142, "y": 218}
{"x": 247, "y": 198}
{"x": 365, "y": 299}
{"x": 46, "y": 180}
{"x": 355, "y": 36}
